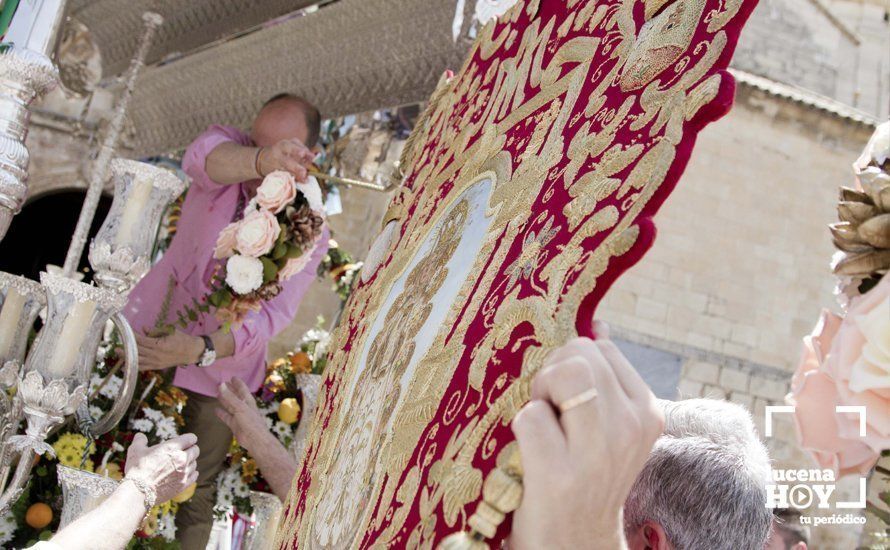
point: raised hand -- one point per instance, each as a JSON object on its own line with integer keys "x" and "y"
{"x": 584, "y": 437}
{"x": 289, "y": 155}
{"x": 241, "y": 415}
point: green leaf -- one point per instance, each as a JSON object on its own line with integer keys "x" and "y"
{"x": 193, "y": 315}
{"x": 283, "y": 235}
{"x": 293, "y": 251}
{"x": 279, "y": 251}
{"x": 270, "y": 270}
{"x": 220, "y": 298}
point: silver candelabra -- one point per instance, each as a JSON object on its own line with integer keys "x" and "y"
{"x": 26, "y": 73}
{"x": 43, "y": 387}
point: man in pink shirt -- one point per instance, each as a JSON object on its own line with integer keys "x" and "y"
{"x": 226, "y": 166}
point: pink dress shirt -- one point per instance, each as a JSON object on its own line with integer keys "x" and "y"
{"x": 186, "y": 269}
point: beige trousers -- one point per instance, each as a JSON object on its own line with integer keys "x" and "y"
{"x": 194, "y": 520}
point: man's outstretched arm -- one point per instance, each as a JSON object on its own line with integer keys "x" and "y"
{"x": 229, "y": 163}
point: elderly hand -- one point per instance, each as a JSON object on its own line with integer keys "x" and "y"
{"x": 241, "y": 415}
{"x": 580, "y": 462}
{"x": 174, "y": 350}
{"x": 169, "y": 467}
{"x": 289, "y": 155}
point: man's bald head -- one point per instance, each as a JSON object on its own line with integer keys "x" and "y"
{"x": 286, "y": 116}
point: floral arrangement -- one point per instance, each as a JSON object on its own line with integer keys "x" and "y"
{"x": 846, "y": 359}
{"x": 271, "y": 243}
{"x": 280, "y": 400}
{"x": 155, "y": 411}
{"x": 339, "y": 266}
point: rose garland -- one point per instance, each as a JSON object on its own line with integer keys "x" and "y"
{"x": 846, "y": 359}
{"x": 271, "y": 243}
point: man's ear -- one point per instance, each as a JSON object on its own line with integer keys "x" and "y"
{"x": 799, "y": 546}
{"x": 654, "y": 536}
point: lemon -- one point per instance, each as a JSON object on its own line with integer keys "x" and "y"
{"x": 289, "y": 411}
{"x": 186, "y": 494}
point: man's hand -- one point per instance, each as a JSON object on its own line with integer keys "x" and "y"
{"x": 289, "y": 155}
{"x": 175, "y": 350}
{"x": 580, "y": 464}
{"x": 241, "y": 415}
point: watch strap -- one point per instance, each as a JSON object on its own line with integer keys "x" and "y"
{"x": 208, "y": 343}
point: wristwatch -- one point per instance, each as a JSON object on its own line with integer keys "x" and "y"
{"x": 209, "y": 356}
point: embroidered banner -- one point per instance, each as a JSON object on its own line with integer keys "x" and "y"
{"x": 530, "y": 186}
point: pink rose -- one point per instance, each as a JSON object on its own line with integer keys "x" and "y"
{"x": 293, "y": 266}
{"x": 226, "y": 242}
{"x": 846, "y": 362}
{"x": 257, "y": 233}
{"x": 861, "y": 365}
{"x": 277, "y": 191}
{"x": 296, "y": 265}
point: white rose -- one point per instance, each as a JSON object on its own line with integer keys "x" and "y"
{"x": 312, "y": 192}
{"x": 244, "y": 274}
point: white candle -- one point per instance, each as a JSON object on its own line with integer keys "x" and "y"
{"x": 71, "y": 339}
{"x": 13, "y": 306}
{"x": 132, "y": 216}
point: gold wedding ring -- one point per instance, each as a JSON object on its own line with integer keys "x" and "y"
{"x": 578, "y": 400}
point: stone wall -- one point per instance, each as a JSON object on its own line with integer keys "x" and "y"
{"x": 740, "y": 264}
{"x": 739, "y": 270}
{"x": 870, "y": 85}
{"x": 837, "y": 48}
{"x": 792, "y": 41}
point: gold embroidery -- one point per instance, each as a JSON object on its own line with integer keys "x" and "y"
{"x": 382, "y": 430}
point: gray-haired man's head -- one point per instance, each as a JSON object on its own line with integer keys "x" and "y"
{"x": 704, "y": 484}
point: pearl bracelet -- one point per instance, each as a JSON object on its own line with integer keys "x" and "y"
{"x": 148, "y": 492}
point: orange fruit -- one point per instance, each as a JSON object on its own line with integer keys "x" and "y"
{"x": 39, "y": 515}
{"x": 300, "y": 362}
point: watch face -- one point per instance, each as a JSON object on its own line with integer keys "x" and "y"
{"x": 208, "y": 358}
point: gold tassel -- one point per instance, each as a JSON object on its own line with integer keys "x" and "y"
{"x": 501, "y": 495}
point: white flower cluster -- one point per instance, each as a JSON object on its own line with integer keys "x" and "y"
{"x": 350, "y": 274}
{"x": 284, "y": 432}
{"x": 167, "y": 527}
{"x": 229, "y": 486}
{"x": 7, "y": 528}
{"x": 163, "y": 426}
{"x": 322, "y": 339}
{"x": 111, "y": 389}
